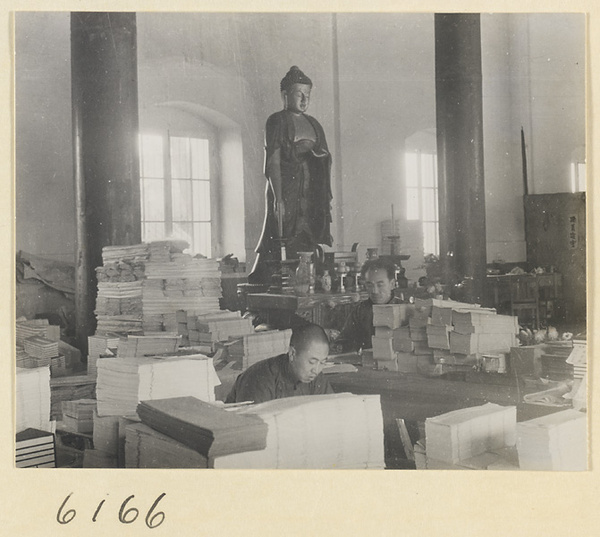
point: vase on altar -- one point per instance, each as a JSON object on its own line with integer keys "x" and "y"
{"x": 304, "y": 274}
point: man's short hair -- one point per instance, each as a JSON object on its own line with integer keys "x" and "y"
{"x": 303, "y": 336}
{"x": 377, "y": 264}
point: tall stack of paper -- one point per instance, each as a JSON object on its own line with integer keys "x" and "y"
{"x": 35, "y": 449}
{"x": 554, "y": 442}
{"x": 122, "y": 383}
{"x": 100, "y": 345}
{"x": 210, "y": 430}
{"x": 319, "y": 431}
{"x": 468, "y": 432}
{"x": 253, "y": 348}
{"x": 177, "y": 281}
{"x": 33, "y": 398}
{"x": 147, "y": 448}
{"x": 78, "y": 415}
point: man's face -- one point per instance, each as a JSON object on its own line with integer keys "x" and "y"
{"x": 379, "y": 286}
{"x": 298, "y": 98}
{"x": 308, "y": 363}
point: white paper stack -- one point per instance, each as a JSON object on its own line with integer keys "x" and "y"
{"x": 319, "y": 431}
{"x": 465, "y": 433}
{"x": 390, "y": 315}
{"x": 481, "y": 342}
{"x": 122, "y": 383}
{"x": 484, "y": 320}
{"x": 554, "y": 442}
{"x": 33, "y": 398}
{"x": 221, "y": 325}
{"x": 253, "y": 348}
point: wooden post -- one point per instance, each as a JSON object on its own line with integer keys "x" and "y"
{"x": 459, "y": 118}
{"x": 105, "y": 138}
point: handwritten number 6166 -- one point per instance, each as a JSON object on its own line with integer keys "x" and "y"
{"x": 127, "y": 515}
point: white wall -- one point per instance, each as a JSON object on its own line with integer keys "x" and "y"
{"x": 232, "y": 64}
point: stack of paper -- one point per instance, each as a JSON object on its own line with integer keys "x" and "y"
{"x": 147, "y": 448}
{"x": 40, "y": 347}
{"x": 554, "y": 442}
{"x": 30, "y": 328}
{"x": 210, "y": 430}
{"x": 23, "y": 359}
{"x": 100, "y": 345}
{"x": 78, "y": 415}
{"x": 481, "y": 342}
{"x": 318, "y": 431}
{"x": 35, "y": 449}
{"x": 483, "y": 321}
{"x": 33, "y": 398}
{"x": 122, "y": 383}
{"x": 390, "y": 315}
{"x": 391, "y": 333}
{"x": 208, "y": 328}
{"x": 69, "y": 388}
{"x": 253, "y": 348}
{"x": 134, "y": 346}
{"x": 468, "y": 432}
{"x": 132, "y": 255}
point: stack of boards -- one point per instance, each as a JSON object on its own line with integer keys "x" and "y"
{"x": 35, "y": 449}
{"x": 326, "y": 431}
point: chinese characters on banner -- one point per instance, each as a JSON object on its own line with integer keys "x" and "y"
{"x": 573, "y": 238}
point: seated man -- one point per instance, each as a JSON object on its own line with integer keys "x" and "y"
{"x": 379, "y": 280}
{"x": 296, "y": 373}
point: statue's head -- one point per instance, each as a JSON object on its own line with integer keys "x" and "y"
{"x": 295, "y": 90}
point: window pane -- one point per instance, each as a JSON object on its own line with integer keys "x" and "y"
{"x": 430, "y": 238}
{"x": 153, "y": 195}
{"x": 180, "y": 157}
{"x": 183, "y": 230}
{"x": 429, "y": 207}
{"x": 202, "y": 241}
{"x": 153, "y": 231}
{"x": 181, "y": 192}
{"x": 427, "y": 170}
{"x": 412, "y": 169}
{"x": 200, "y": 156}
{"x": 412, "y": 204}
{"x": 201, "y": 200}
{"x": 151, "y": 156}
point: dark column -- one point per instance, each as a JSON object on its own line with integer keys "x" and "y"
{"x": 460, "y": 149}
{"x": 105, "y": 130}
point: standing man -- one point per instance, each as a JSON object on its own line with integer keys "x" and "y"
{"x": 299, "y": 372}
{"x": 379, "y": 279}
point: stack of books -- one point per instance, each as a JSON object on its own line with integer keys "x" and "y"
{"x": 101, "y": 345}
{"x": 462, "y": 434}
{"x": 35, "y": 449}
{"x": 69, "y": 388}
{"x": 132, "y": 346}
{"x": 258, "y": 346}
{"x": 147, "y": 448}
{"x": 391, "y": 334}
{"x": 554, "y": 442}
{"x": 122, "y": 383}
{"x": 78, "y": 415}
{"x": 33, "y": 398}
{"x": 210, "y": 430}
{"x": 206, "y": 329}
{"x": 342, "y": 431}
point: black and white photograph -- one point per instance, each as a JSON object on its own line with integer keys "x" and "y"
{"x": 274, "y": 240}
